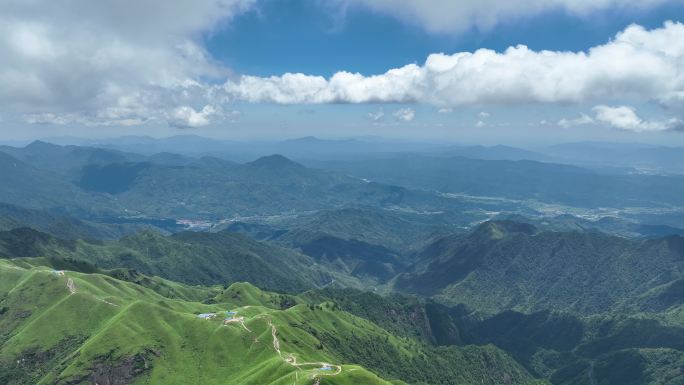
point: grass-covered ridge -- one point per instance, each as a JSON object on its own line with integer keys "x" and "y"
{"x": 193, "y": 258}
{"x": 68, "y": 327}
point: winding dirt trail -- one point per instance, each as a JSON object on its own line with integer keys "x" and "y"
{"x": 276, "y": 341}
{"x": 292, "y": 360}
{"x": 240, "y": 320}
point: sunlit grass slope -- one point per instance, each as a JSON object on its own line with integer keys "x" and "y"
{"x": 69, "y": 327}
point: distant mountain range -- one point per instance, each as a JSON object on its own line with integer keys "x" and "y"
{"x": 522, "y": 180}
{"x": 625, "y": 157}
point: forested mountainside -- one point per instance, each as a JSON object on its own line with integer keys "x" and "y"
{"x": 166, "y": 268}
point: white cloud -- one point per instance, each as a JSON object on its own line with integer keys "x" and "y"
{"x": 445, "y": 110}
{"x": 448, "y": 16}
{"x": 378, "y": 115}
{"x": 480, "y": 124}
{"x": 582, "y": 120}
{"x": 62, "y": 119}
{"x": 404, "y": 114}
{"x": 99, "y": 63}
{"x": 188, "y": 117}
{"x": 626, "y": 118}
{"x": 107, "y": 62}
{"x": 637, "y": 64}
{"x": 484, "y": 115}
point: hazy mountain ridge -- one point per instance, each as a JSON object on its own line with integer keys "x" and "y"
{"x": 522, "y": 179}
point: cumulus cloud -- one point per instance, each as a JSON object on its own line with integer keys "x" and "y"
{"x": 444, "y": 16}
{"x": 445, "y": 110}
{"x": 107, "y": 62}
{"x": 626, "y": 118}
{"x": 404, "y": 114}
{"x": 188, "y": 117}
{"x": 638, "y": 64}
{"x": 93, "y": 63}
{"x": 480, "y": 124}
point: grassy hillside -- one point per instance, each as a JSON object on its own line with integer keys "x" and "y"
{"x": 65, "y": 327}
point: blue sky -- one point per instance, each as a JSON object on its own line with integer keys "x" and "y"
{"x": 413, "y": 69}
{"x": 300, "y": 36}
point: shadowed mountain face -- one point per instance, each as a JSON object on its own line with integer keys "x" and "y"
{"x": 27, "y": 186}
{"x": 111, "y": 178}
{"x": 67, "y": 161}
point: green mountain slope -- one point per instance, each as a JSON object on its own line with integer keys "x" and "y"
{"x": 65, "y": 327}
{"x": 215, "y": 189}
{"x": 361, "y": 241}
{"x": 27, "y": 186}
{"x": 397, "y": 231}
{"x": 195, "y": 258}
{"x": 625, "y": 347}
{"x": 106, "y": 184}
{"x": 510, "y": 265}
{"x": 61, "y": 225}
{"x": 67, "y": 161}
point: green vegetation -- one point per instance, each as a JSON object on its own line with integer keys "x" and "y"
{"x": 644, "y": 348}
{"x": 61, "y": 225}
{"x": 334, "y": 279}
{"x": 195, "y": 258}
{"x": 512, "y": 266}
{"x": 66, "y": 327}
